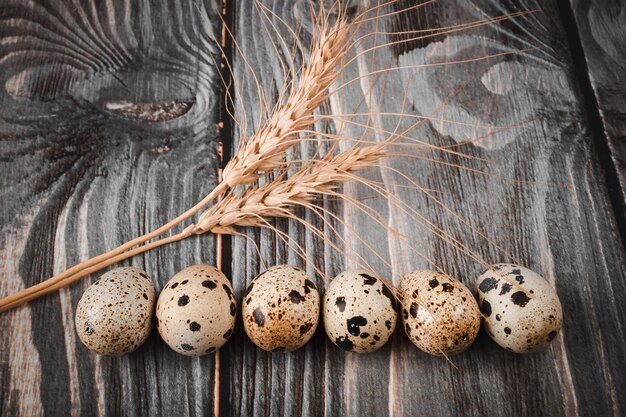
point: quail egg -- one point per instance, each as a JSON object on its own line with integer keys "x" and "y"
{"x": 114, "y": 315}
{"x": 521, "y": 310}
{"x": 281, "y": 309}
{"x": 196, "y": 310}
{"x": 359, "y": 311}
{"x": 440, "y": 315}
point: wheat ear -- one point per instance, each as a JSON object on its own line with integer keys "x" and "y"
{"x": 254, "y": 205}
{"x": 265, "y": 150}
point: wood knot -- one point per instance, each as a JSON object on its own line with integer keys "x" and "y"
{"x": 149, "y": 111}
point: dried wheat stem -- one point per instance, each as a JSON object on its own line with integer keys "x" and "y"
{"x": 250, "y": 207}
{"x": 102, "y": 261}
{"x": 264, "y": 151}
{"x": 40, "y": 290}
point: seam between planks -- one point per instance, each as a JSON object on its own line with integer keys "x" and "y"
{"x": 591, "y": 106}
{"x": 221, "y": 390}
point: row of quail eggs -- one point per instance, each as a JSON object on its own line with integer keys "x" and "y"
{"x": 196, "y": 311}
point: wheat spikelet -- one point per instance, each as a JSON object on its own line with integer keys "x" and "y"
{"x": 265, "y": 150}
{"x": 254, "y": 205}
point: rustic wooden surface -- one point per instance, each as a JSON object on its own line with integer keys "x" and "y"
{"x": 602, "y": 66}
{"x": 82, "y": 171}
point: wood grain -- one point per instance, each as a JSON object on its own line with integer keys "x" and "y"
{"x": 601, "y": 29}
{"x": 82, "y": 173}
{"x": 543, "y": 224}
{"x": 108, "y": 127}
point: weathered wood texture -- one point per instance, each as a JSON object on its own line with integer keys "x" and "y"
{"x": 85, "y": 166}
{"x": 108, "y": 116}
{"x": 601, "y": 27}
{"x": 556, "y": 231}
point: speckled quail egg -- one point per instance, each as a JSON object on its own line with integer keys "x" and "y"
{"x": 440, "y": 315}
{"x": 521, "y": 310}
{"x": 359, "y": 311}
{"x": 281, "y": 309}
{"x": 196, "y": 310}
{"x": 114, "y": 315}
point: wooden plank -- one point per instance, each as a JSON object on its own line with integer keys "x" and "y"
{"x": 601, "y": 29}
{"x": 558, "y": 223}
{"x": 82, "y": 172}
{"x": 258, "y": 382}
{"x": 108, "y": 114}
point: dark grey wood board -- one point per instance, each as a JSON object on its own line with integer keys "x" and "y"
{"x": 89, "y": 160}
{"x": 601, "y": 30}
{"x": 544, "y": 225}
{"x": 82, "y": 171}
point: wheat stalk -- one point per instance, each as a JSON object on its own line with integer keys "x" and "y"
{"x": 252, "y": 206}
{"x": 263, "y": 152}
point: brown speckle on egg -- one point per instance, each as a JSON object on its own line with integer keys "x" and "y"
{"x": 281, "y": 309}
{"x": 441, "y": 315}
{"x": 114, "y": 315}
{"x": 196, "y": 313}
{"x": 521, "y": 310}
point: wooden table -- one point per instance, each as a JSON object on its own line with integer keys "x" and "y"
{"x": 84, "y": 168}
